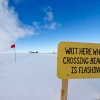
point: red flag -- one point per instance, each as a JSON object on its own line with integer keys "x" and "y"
{"x": 13, "y": 46}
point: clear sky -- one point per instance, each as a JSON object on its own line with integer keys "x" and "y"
{"x": 39, "y": 25}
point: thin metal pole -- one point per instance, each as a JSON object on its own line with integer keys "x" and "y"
{"x": 15, "y": 55}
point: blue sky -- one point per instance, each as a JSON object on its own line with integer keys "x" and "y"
{"x": 39, "y": 25}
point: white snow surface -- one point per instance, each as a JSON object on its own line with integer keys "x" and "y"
{"x": 33, "y": 77}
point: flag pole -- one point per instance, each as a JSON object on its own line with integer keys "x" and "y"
{"x": 15, "y": 55}
{"x": 13, "y": 46}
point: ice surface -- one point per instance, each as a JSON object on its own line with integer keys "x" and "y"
{"x": 33, "y": 77}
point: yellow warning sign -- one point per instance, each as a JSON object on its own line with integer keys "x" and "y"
{"x": 78, "y": 60}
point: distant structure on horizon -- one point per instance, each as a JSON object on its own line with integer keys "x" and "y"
{"x": 33, "y": 52}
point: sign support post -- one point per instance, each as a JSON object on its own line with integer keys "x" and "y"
{"x": 64, "y": 89}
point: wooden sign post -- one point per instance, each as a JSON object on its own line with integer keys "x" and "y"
{"x": 64, "y": 89}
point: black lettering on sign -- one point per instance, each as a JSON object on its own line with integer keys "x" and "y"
{"x": 71, "y": 50}
{"x": 85, "y": 70}
{"x": 68, "y": 51}
{"x": 80, "y": 69}
{"x": 85, "y": 51}
{"x": 88, "y": 51}
{"x": 74, "y": 70}
{"x": 67, "y": 60}
{"x": 96, "y": 51}
{"x": 96, "y": 69}
{"x": 84, "y": 60}
{"x": 76, "y": 49}
{"x": 64, "y": 60}
{"x": 98, "y": 60}
{"x": 89, "y": 69}
{"x": 75, "y": 60}
{"x": 94, "y": 60}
